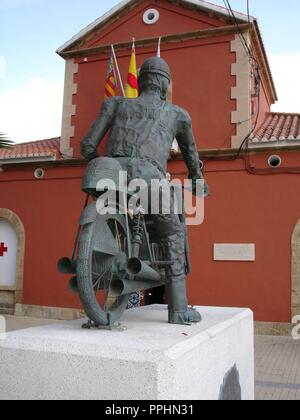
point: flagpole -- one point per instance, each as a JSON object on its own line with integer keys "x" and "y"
{"x": 159, "y": 47}
{"x": 118, "y": 70}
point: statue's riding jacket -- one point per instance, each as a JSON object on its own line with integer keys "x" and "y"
{"x": 143, "y": 128}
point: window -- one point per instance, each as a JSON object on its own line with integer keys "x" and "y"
{"x": 274, "y": 161}
{"x": 151, "y": 16}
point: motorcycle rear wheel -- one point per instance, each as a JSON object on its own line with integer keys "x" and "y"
{"x": 99, "y": 243}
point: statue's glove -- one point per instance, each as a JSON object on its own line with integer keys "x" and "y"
{"x": 203, "y": 187}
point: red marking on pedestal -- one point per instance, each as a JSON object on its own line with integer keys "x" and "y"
{"x": 3, "y": 249}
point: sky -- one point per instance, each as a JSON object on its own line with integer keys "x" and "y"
{"x": 32, "y": 74}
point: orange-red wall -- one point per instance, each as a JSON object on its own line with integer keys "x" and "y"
{"x": 243, "y": 208}
{"x": 202, "y": 86}
{"x": 173, "y": 19}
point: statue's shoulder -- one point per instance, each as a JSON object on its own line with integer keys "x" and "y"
{"x": 113, "y": 101}
{"x": 181, "y": 113}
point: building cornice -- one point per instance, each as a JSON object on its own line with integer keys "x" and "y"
{"x": 229, "y": 154}
{"x": 263, "y": 61}
{"x": 204, "y": 154}
{"x": 122, "y": 8}
{"x": 149, "y": 42}
{"x": 27, "y": 160}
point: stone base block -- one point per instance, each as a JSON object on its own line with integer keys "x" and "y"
{"x": 149, "y": 360}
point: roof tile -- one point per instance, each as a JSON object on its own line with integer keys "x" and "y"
{"x": 278, "y": 127}
{"x": 41, "y": 148}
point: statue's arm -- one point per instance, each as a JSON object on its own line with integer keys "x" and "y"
{"x": 188, "y": 148}
{"x": 187, "y": 145}
{"x": 99, "y": 129}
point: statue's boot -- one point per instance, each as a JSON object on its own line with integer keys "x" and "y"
{"x": 179, "y": 312}
{"x": 174, "y": 250}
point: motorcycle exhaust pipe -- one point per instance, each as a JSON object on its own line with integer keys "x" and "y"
{"x": 66, "y": 266}
{"x": 120, "y": 287}
{"x": 73, "y": 285}
{"x": 145, "y": 278}
{"x": 141, "y": 270}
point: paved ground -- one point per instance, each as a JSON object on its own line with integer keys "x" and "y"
{"x": 277, "y": 368}
{"x": 277, "y": 362}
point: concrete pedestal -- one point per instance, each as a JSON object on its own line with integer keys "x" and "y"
{"x": 150, "y": 360}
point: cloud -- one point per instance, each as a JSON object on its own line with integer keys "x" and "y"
{"x": 2, "y": 67}
{"x": 32, "y": 113}
{"x": 286, "y": 71}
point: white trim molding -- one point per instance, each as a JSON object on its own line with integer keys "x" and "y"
{"x": 265, "y": 143}
{"x": 241, "y": 92}
{"x": 27, "y": 159}
{"x": 69, "y": 109}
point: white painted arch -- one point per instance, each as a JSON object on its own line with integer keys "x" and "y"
{"x": 8, "y": 254}
{"x": 11, "y": 295}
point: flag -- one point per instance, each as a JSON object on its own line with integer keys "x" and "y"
{"x": 132, "y": 90}
{"x": 111, "y": 81}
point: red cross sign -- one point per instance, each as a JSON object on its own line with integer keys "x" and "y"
{"x": 3, "y": 249}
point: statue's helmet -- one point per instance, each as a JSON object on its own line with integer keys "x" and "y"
{"x": 156, "y": 65}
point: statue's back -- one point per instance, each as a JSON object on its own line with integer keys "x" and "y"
{"x": 144, "y": 128}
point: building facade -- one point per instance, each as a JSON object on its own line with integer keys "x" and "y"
{"x": 246, "y": 253}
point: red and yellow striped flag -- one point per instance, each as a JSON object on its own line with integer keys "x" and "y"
{"x": 111, "y": 82}
{"x": 132, "y": 90}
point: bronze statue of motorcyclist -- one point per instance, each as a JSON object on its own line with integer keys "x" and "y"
{"x": 141, "y": 134}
